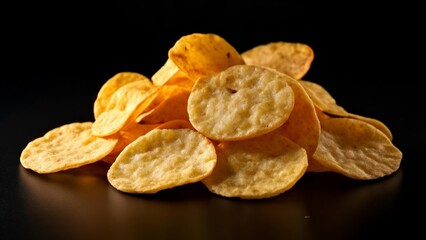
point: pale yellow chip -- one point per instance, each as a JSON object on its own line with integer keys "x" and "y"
{"x": 173, "y": 107}
{"x": 257, "y": 168}
{"x": 124, "y": 103}
{"x": 162, "y": 159}
{"x": 240, "y": 102}
{"x": 203, "y": 54}
{"x": 113, "y": 84}
{"x": 291, "y": 58}
{"x": 303, "y": 126}
{"x": 65, "y": 147}
{"x": 327, "y": 104}
{"x": 356, "y": 149}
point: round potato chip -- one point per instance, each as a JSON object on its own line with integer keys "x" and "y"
{"x": 356, "y": 149}
{"x": 203, "y": 54}
{"x": 113, "y": 84}
{"x": 257, "y": 168}
{"x": 327, "y": 104}
{"x": 241, "y": 102}
{"x": 162, "y": 159}
{"x": 291, "y": 58}
{"x": 65, "y": 147}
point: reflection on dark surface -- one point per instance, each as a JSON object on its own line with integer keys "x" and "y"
{"x": 80, "y": 204}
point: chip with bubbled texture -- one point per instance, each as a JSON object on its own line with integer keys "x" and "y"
{"x": 240, "y": 102}
{"x": 257, "y": 168}
{"x": 65, "y": 147}
{"x": 162, "y": 159}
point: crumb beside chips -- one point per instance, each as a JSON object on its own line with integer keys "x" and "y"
{"x": 245, "y": 125}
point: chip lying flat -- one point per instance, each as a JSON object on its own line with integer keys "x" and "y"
{"x": 291, "y": 58}
{"x": 69, "y": 146}
{"x": 240, "y": 102}
{"x": 257, "y": 168}
{"x": 356, "y": 149}
{"x": 162, "y": 159}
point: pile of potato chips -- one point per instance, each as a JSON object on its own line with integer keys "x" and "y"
{"x": 244, "y": 124}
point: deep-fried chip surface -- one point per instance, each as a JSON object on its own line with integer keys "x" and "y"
{"x": 124, "y": 104}
{"x": 327, "y": 104}
{"x": 165, "y": 73}
{"x": 171, "y": 107}
{"x": 303, "y": 126}
{"x": 68, "y": 146}
{"x": 162, "y": 159}
{"x": 291, "y": 58}
{"x": 257, "y": 168}
{"x": 111, "y": 85}
{"x": 203, "y": 54}
{"x": 356, "y": 149}
{"x": 241, "y": 102}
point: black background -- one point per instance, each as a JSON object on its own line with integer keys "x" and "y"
{"x": 56, "y": 56}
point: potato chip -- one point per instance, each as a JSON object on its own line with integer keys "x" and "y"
{"x": 356, "y": 149}
{"x": 291, "y": 58}
{"x": 65, "y": 147}
{"x": 257, "y": 168}
{"x": 327, "y": 104}
{"x": 125, "y": 103}
{"x": 180, "y": 80}
{"x": 170, "y": 108}
{"x": 113, "y": 84}
{"x": 240, "y": 102}
{"x": 165, "y": 73}
{"x": 199, "y": 54}
{"x": 162, "y": 159}
{"x": 302, "y": 126}
{"x": 126, "y": 136}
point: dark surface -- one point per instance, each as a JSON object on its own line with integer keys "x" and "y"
{"x": 56, "y": 57}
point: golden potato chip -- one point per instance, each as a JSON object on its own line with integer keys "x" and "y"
{"x": 162, "y": 159}
{"x": 124, "y": 103}
{"x": 291, "y": 58}
{"x": 113, "y": 84}
{"x": 65, "y": 147}
{"x": 165, "y": 73}
{"x": 256, "y": 168}
{"x": 240, "y": 102}
{"x": 171, "y": 108}
{"x": 203, "y": 54}
{"x": 180, "y": 80}
{"x": 302, "y": 126}
{"x": 322, "y": 98}
{"x": 356, "y": 149}
{"x": 327, "y": 104}
{"x": 127, "y": 135}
